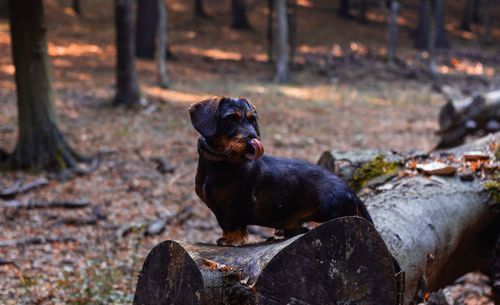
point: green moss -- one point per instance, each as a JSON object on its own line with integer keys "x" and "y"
{"x": 493, "y": 186}
{"x": 497, "y": 152}
{"x": 371, "y": 170}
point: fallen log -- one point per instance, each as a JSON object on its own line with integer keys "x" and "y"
{"x": 461, "y": 117}
{"x": 438, "y": 228}
{"x": 342, "y": 260}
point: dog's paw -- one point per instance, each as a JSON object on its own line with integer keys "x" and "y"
{"x": 236, "y": 238}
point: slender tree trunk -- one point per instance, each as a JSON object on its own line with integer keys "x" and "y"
{"x": 422, "y": 35}
{"x": 162, "y": 45}
{"x": 466, "y": 15}
{"x": 362, "y": 11}
{"x": 127, "y": 87}
{"x": 486, "y": 36}
{"x": 431, "y": 42}
{"x": 270, "y": 44}
{"x": 392, "y": 32}
{"x": 240, "y": 20}
{"x": 423, "y": 30}
{"x": 76, "y": 6}
{"x": 475, "y": 11}
{"x": 343, "y": 10}
{"x": 199, "y": 9}
{"x": 441, "y": 40}
{"x": 40, "y": 143}
{"x": 292, "y": 25}
{"x": 282, "y": 62}
{"x": 145, "y": 30}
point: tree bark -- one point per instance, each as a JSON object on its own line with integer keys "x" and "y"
{"x": 239, "y": 11}
{"x": 282, "y": 63}
{"x": 426, "y": 23}
{"x": 146, "y": 26}
{"x": 270, "y": 43}
{"x": 76, "y": 6}
{"x": 315, "y": 268}
{"x": 344, "y": 8}
{"x": 362, "y": 11}
{"x": 41, "y": 145}
{"x": 127, "y": 86}
{"x": 466, "y": 15}
{"x": 292, "y": 26}
{"x": 486, "y": 35}
{"x": 392, "y": 32}
{"x": 163, "y": 80}
{"x": 199, "y": 9}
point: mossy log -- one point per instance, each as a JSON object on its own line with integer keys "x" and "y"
{"x": 343, "y": 261}
{"x": 438, "y": 228}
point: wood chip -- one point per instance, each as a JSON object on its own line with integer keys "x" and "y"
{"x": 437, "y": 168}
{"x": 475, "y": 155}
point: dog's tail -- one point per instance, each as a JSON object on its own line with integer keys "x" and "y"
{"x": 362, "y": 211}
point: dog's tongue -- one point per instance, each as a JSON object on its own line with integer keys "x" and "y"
{"x": 258, "y": 150}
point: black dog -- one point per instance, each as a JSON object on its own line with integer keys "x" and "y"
{"x": 242, "y": 187}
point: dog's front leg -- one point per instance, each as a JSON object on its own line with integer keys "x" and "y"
{"x": 233, "y": 238}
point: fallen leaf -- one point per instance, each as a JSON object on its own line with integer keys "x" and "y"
{"x": 437, "y": 168}
{"x": 475, "y": 155}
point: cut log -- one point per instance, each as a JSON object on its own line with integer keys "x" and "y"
{"x": 438, "y": 228}
{"x": 461, "y": 117}
{"x": 343, "y": 260}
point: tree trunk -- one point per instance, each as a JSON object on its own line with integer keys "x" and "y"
{"x": 127, "y": 87}
{"x": 270, "y": 43}
{"x": 292, "y": 25}
{"x": 146, "y": 26}
{"x": 392, "y": 32}
{"x": 362, "y": 11}
{"x": 466, "y": 15}
{"x": 76, "y": 6}
{"x": 40, "y": 143}
{"x": 344, "y": 8}
{"x": 441, "y": 40}
{"x": 282, "y": 63}
{"x": 162, "y": 44}
{"x": 431, "y": 39}
{"x": 239, "y": 10}
{"x": 486, "y": 35}
{"x": 315, "y": 268}
{"x": 436, "y": 7}
{"x": 199, "y": 10}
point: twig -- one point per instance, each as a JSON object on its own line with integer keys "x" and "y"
{"x": 35, "y": 241}
{"x": 18, "y": 187}
{"x": 34, "y": 204}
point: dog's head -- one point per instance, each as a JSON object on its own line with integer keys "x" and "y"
{"x": 229, "y": 126}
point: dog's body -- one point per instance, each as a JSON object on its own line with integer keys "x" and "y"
{"x": 243, "y": 187}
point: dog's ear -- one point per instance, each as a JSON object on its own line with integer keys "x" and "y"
{"x": 205, "y": 116}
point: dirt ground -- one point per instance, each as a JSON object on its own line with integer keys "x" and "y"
{"x": 342, "y": 96}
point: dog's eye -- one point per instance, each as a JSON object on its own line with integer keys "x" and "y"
{"x": 233, "y": 117}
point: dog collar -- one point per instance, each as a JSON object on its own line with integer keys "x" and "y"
{"x": 208, "y": 153}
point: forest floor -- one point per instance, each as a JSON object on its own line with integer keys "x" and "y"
{"x": 342, "y": 96}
